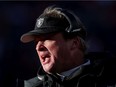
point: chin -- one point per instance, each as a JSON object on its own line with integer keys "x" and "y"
{"x": 49, "y": 70}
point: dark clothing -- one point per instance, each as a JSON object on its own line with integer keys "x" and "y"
{"x": 100, "y": 73}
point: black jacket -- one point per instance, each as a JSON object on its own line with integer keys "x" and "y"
{"x": 100, "y": 73}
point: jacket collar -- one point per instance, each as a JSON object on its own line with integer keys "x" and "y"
{"x": 94, "y": 69}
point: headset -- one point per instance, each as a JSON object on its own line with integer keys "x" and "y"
{"x": 76, "y": 25}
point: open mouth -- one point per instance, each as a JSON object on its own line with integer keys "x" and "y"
{"x": 45, "y": 59}
{"x": 44, "y": 55}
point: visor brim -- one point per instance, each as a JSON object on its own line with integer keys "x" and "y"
{"x": 30, "y": 36}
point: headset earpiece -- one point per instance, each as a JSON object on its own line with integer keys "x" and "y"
{"x": 76, "y": 25}
{"x": 72, "y": 19}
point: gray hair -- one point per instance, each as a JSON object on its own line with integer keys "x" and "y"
{"x": 83, "y": 46}
{"x": 53, "y": 12}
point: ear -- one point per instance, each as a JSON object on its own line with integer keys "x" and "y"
{"x": 75, "y": 43}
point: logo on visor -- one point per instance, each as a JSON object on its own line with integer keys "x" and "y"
{"x": 39, "y": 22}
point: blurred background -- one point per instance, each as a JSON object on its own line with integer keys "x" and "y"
{"x": 19, "y": 61}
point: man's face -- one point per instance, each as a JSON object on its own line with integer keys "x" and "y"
{"x": 54, "y": 53}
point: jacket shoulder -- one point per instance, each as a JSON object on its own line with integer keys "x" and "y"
{"x": 33, "y": 82}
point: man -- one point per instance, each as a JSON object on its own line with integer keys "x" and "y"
{"x": 60, "y": 44}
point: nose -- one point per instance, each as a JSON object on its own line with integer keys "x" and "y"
{"x": 40, "y": 46}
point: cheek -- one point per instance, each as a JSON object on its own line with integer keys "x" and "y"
{"x": 53, "y": 49}
{"x": 59, "y": 51}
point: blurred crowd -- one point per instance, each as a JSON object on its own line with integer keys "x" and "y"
{"x": 19, "y": 61}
